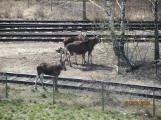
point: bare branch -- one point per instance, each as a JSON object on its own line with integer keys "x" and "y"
{"x": 97, "y": 5}
{"x": 151, "y": 1}
{"x": 118, "y": 4}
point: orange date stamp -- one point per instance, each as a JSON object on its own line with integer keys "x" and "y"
{"x": 137, "y": 103}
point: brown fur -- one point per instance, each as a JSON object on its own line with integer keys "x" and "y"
{"x": 81, "y": 47}
{"x": 49, "y": 69}
{"x": 71, "y": 40}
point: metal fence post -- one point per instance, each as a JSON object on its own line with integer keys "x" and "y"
{"x": 54, "y": 90}
{"x": 156, "y": 67}
{"x": 103, "y": 101}
{"x": 153, "y": 102}
{"x": 6, "y": 86}
{"x": 119, "y": 64}
{"x": 156, "y": 32}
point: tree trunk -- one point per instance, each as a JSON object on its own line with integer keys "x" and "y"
{"x": 118, "y": 46}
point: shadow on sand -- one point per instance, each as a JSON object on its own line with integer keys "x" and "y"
{"x": 92, "y": 67}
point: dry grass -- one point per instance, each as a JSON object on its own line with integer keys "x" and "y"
{"x": 24, "y": 57}
{"x": 71, "y": 10}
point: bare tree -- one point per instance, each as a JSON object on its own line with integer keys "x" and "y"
{"x": 118, "y": 46}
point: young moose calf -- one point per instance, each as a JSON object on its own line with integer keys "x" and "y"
{"x": 48, "y": 69}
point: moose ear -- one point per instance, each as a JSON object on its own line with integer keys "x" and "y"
{"x": 86, "y": 39}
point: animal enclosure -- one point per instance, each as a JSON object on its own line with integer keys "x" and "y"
{"x": 25, "y": 49}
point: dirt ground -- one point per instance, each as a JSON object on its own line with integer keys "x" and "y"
{"x": 23, "y": 57}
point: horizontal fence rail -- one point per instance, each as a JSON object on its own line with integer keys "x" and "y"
{"x": 27, "y": 30}
{"x": 80, "y": 84}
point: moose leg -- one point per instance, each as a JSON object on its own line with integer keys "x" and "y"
{"x": 83, "y": 59}
{"x": 41, "y": 78}
{"x": 61, "y": 56}
{"x": 56, "y": 85}
{"x": 75, "y": 58}
{"x": 37, "y": 77}
{"x": 65, "y": 54}
{"x": 69, "y": 60}
{"x": 90, "y": 57}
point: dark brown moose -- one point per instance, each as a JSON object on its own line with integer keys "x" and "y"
{"x": 49, "y": 69}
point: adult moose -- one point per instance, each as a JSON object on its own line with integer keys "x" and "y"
{"x": 81, "y": 47}
{"x": 67, "y": 40}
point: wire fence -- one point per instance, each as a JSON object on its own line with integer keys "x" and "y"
{"x": 105, "y": 99}
{"x": 138, "y": 53}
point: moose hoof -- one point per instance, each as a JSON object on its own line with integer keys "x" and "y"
{"x": 44, "y": 88}
{"x": 57, "y": 91}
{"x": 70, "y": 65}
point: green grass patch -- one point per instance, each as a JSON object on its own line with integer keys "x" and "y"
{"x": 45, "y": 112}
{"x": 30, "y": 104}
{"x": 19, "y": 111}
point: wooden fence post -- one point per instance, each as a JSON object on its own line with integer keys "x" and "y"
{"x": 84, "y": 10}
